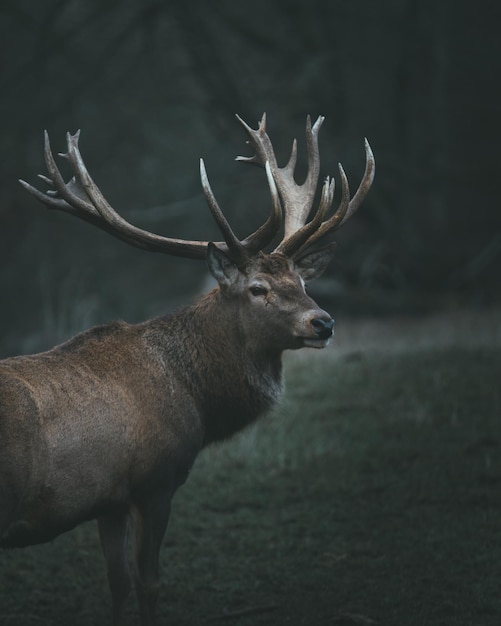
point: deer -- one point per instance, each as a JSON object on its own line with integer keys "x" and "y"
{"x": 107, "y": 425}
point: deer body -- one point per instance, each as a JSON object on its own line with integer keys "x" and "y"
{"x": 121, "y": 407}
{"x": 107, "y": 425}
{"x": 104, "y": 417}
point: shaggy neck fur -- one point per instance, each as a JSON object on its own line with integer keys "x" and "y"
{"x": 234, "y": 379}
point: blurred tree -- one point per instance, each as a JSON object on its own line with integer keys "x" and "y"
{"x": 155, "y": 85}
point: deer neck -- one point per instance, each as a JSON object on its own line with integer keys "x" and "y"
{"x": 233, "y": 379}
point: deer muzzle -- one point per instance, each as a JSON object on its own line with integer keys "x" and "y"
{"x": 321, "y": 327}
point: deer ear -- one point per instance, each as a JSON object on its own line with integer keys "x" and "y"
{"x": 312, "y": 264}
{"x": 221, "y": 266}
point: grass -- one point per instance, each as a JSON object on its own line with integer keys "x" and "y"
{"x": 371, "y": 496}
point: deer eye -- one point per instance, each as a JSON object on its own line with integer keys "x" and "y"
{"x": 258, "y": 290}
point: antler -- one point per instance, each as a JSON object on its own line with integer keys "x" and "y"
{"x": 298, "y": 199}
{"x": 81, "y": 197}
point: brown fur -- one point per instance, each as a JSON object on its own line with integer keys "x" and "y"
{"x": 108, "y": 424}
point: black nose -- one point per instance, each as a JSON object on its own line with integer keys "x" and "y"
{"x": 322, "y": 327}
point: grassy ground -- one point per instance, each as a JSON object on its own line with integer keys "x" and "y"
{"x": 372, "y": 496}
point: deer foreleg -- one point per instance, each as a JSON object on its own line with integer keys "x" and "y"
{"x": 114, "y": 535}
{"x": 151, "y": 519}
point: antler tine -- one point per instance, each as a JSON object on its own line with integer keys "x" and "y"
{"x": 65, "y": 196}
{"x": 264, "y": 235}
{"x": 295, "y": 242}
{"x": 297, "y": 199}
{"x": 346, "y": 207}
{"x": 238, "y": 251}
{"x": 263, "y": 147}
{"x": 365, "y": 184}
{"x": 241, "y": 250}
{"x": 323, "y": 227}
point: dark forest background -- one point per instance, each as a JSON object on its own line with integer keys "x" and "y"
{"x": 154, "y": 85}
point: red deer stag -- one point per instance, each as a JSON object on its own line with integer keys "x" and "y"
{"x": 107, "y": 425}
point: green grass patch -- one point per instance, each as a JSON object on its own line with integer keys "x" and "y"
{"x": 371, "y": 496}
